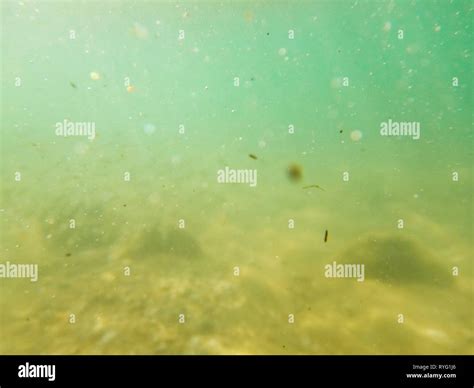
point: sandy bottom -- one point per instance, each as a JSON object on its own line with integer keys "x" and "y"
{"x": 191, "y": 271}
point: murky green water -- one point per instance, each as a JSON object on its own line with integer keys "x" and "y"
{"x": 139, "y": 248}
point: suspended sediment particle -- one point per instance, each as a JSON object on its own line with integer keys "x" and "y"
{"x": 356, "y": 135}
{"x": 139, "y": 31}
{"x": 95, "y": 76}
{"x": 313, "y": 187}
{"x": 149, "y": 128}
{"x": 253, "y": 156}
{"x": 294, "y": 172}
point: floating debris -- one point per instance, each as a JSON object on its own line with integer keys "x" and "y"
{"x": 130, "y": 88}
{"x": 248, "y": 16}
{"x": 95, "y": 76}
{"x": 295, "y": 172}
{"x": 326, "y": 236}
{"x": 73, "y": 84}
{"x": 253, "y": 156}
{"x": 356, "y": 135}
{"x": 139, "y": 31}
{"x": 68, "y": 254}
{"x": 313, "y": 187}
{"x": 149, "y": 129}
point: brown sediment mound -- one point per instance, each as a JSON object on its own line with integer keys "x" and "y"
{"x": 397, "y": 260}
{"x": 152, "y": 241}
{"x": 77, "y": 228}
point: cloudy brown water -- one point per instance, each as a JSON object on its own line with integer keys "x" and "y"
{"x": 142, "y": 248}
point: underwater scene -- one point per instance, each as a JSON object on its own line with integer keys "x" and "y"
{"x": 236, "y": 177}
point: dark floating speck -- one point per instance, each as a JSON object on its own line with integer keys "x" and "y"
{"x": 294, "y": 172}
{"x": 326, "y": 236}
{"x": 253, "y": 156}
{"x": 68, "y": 254}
